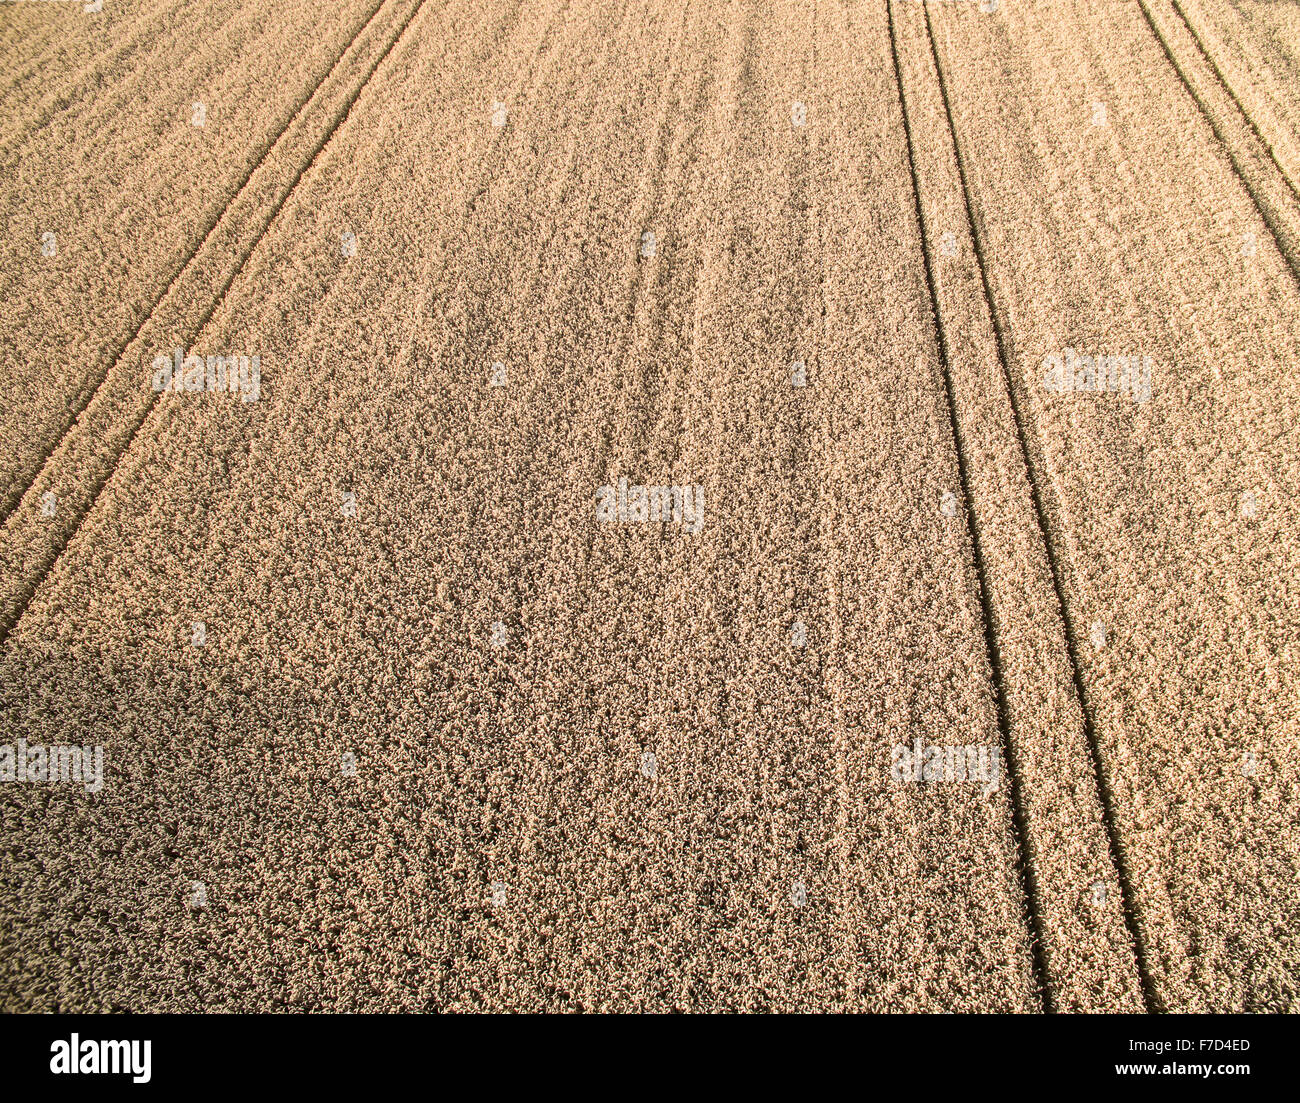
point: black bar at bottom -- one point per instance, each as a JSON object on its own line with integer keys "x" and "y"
{"x": 340, "y": 1053}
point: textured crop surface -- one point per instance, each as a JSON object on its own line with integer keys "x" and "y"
{"x": 706, "y": 506}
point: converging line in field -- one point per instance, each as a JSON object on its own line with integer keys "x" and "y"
{"x": 33, "y": 583}
{"x": 1025, "y": 871}
{"x": 1044, "y": 531}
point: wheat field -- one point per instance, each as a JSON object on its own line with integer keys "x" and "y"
{"x": 707, "y": 505}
